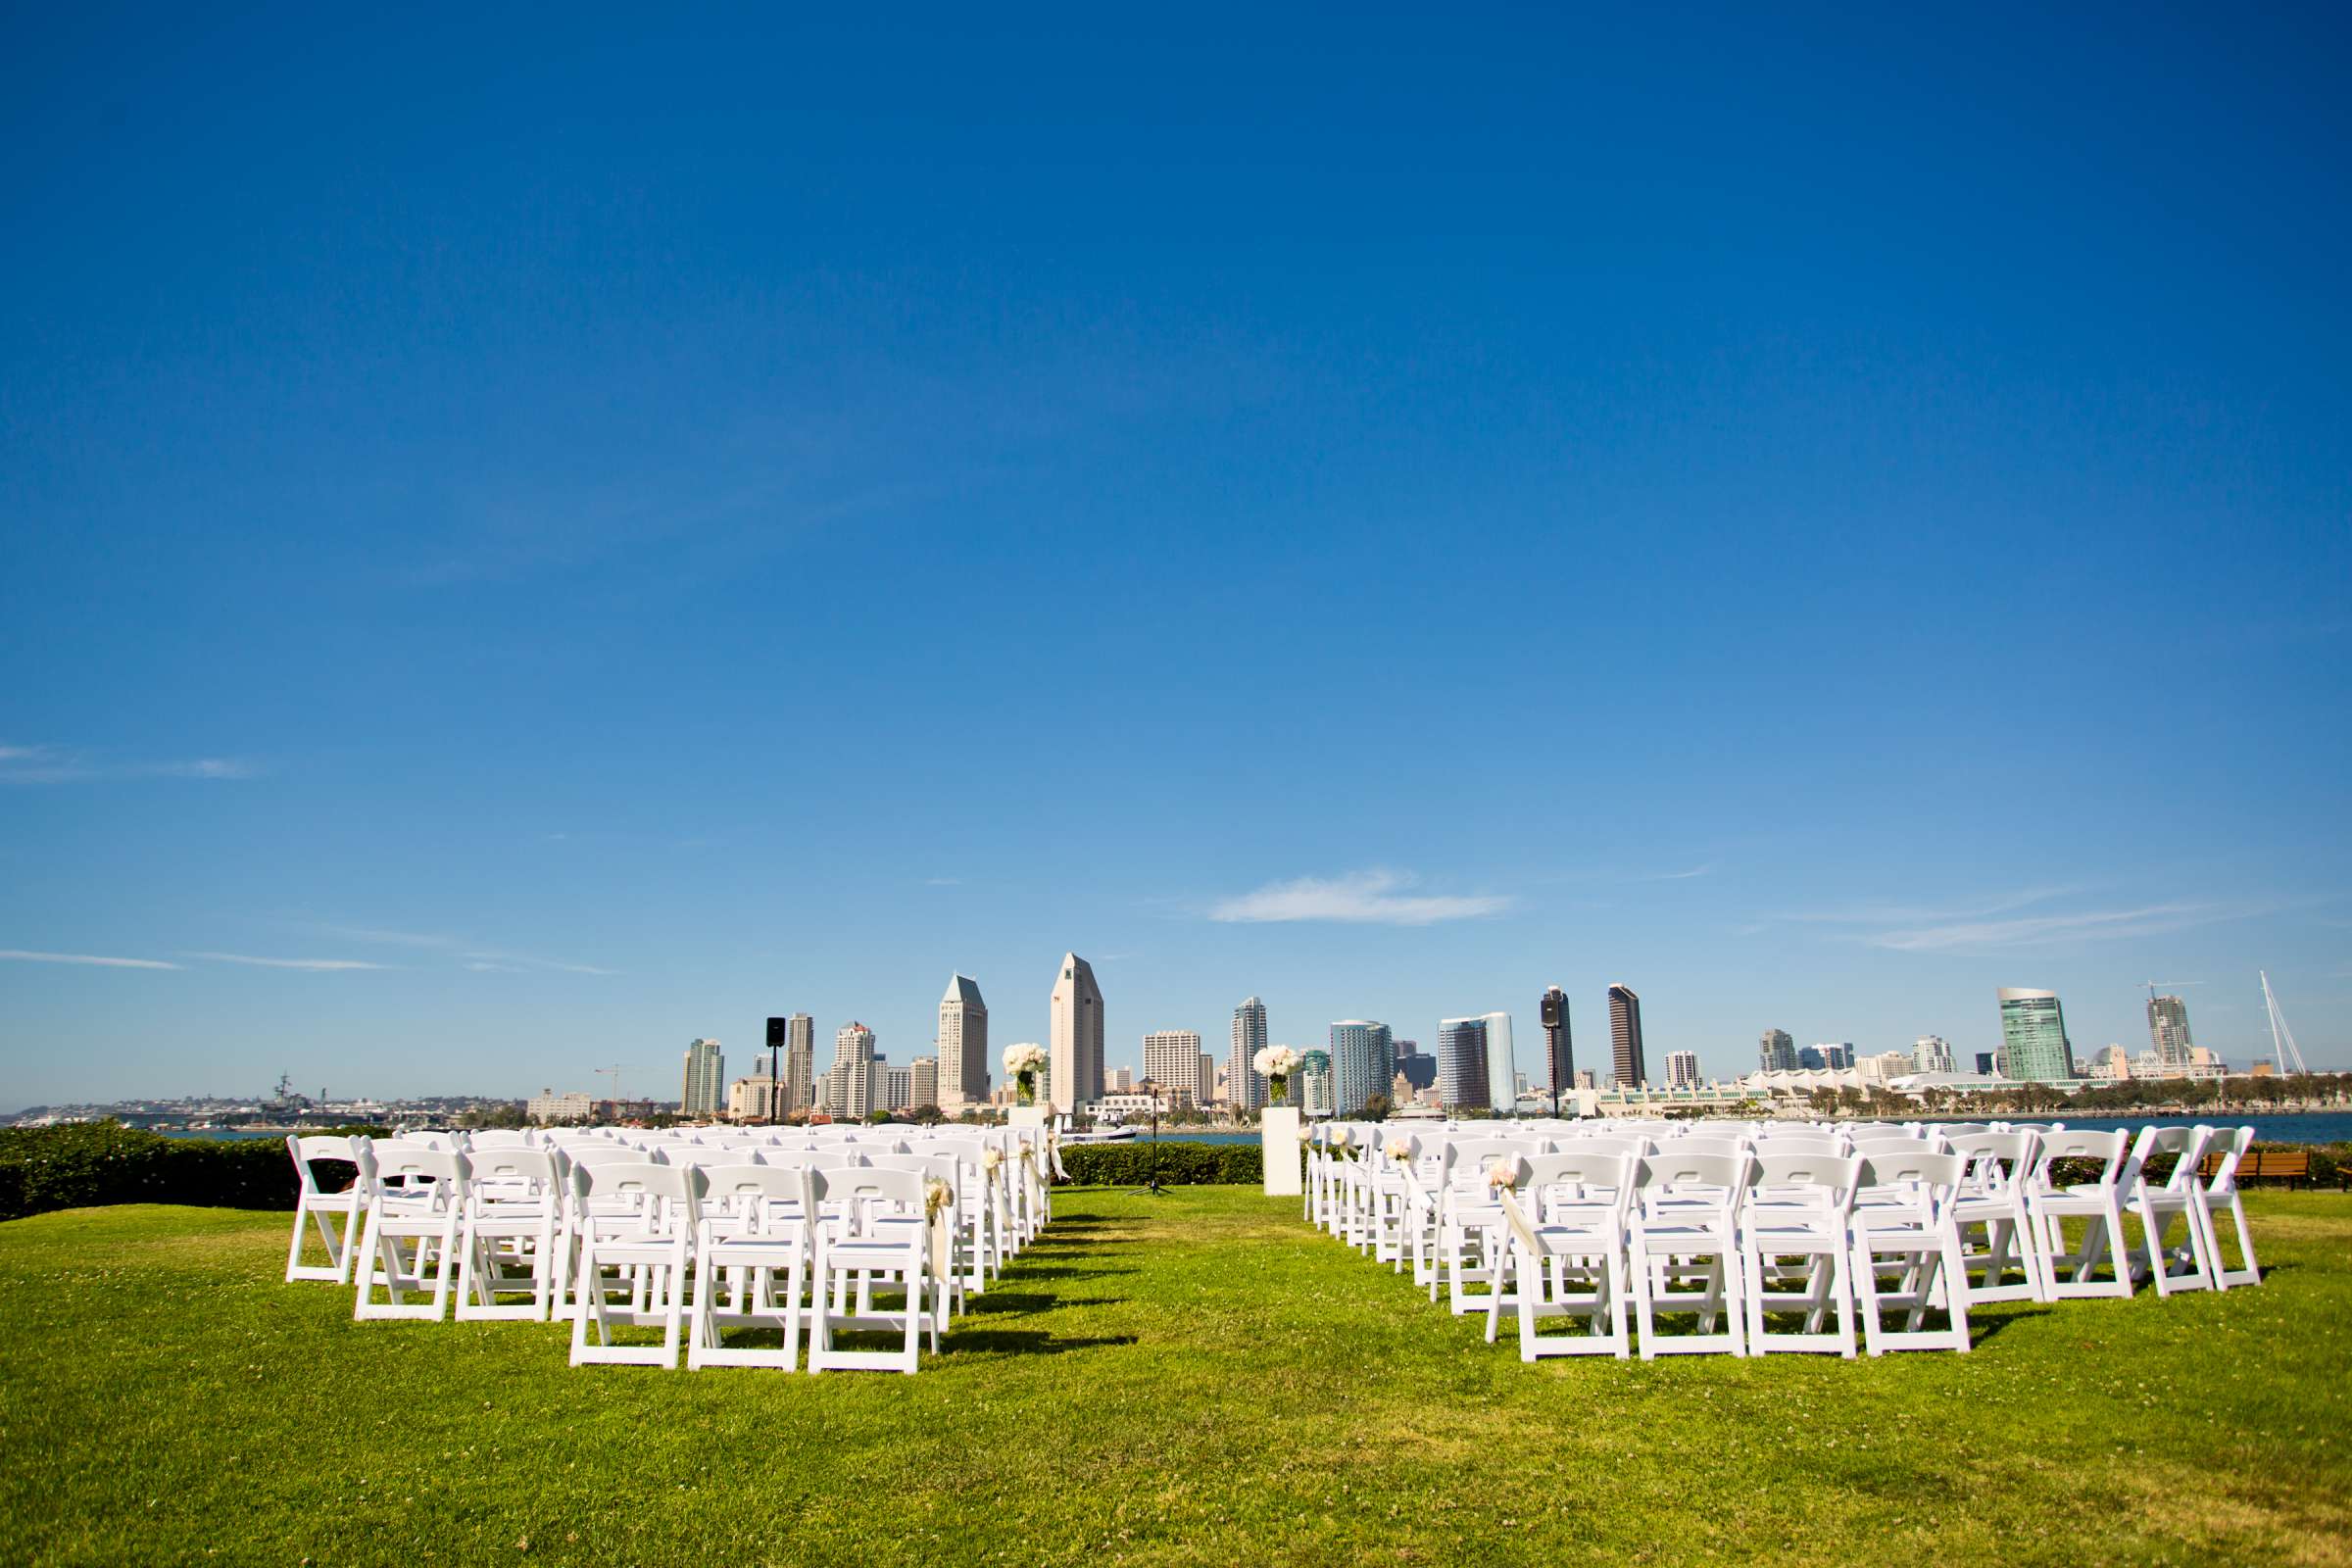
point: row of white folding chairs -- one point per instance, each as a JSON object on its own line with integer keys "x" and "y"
{"x": 1433, "y": 1212}
{"x": 520, "y": 1221}
{"x": 333, "y": 1217}
{"x": 690, "y": 1250}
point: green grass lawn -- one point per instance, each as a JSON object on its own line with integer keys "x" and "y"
{"x": 1194, "y": 1379}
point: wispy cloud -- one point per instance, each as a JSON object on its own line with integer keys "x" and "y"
{"x": 99, "y": 959}
{"x": 285, "y": 963}
{"x": 476, "y": 957}
{"x": 1363, "y": 898}
{"x": 1680, "y": 876}
{"x": 51, "y": 764}
{"x": 1999, "y": 923}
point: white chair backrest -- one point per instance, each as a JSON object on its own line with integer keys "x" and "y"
{"x": 614, "y": 1155}
{"x": 1590, "y": 1168}
{"x": 680, "y": 1185}
{"x": 1839, "y": 1173}
{"x": 2226, "y": 1148}
{"x": 2080, "y": 1143}
{"x": 316, "y": 1147}
{"x": 2185, "y": 1143}
{"x": 867, "y": 1184}
{"x": 535, "y": 1167}
{"x": 754, "y": 1193}
{"x": 1671, "y": 1167}
{"x": 1890, "y": 1168}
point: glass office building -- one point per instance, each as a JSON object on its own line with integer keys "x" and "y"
{"x": 2034, "y": 1044}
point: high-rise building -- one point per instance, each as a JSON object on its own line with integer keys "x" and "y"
{"x": 1121, "y": 1080}
{"x": 1502, "y": 1074}
{"x": 1408, "y": 1047}
{"x": 799, "y": 1062}
{"x": 1625, "y": 1037}
{"x": 2034, "y": 1043}
{"x": 1172, "y": 1060}
{"x": 1776, "y": 1051}
{"x": 1418, "y": 1070}
{"x": 1311, "y": 1089}
{"x": 1074, "y": 1070}
{"x": 705, "y": 1087}
{"x": 1363, "y": 1063}
{"x": 962, "y": 1045}
{"x": 1988, "y": 1065}
{"x": 898, "y": 1088}
{"x": 1585, "y": 1079}
{"x": 1208, "y": 1080}
{"x": 1462, "y": 1080}
{"x": 750, "y": 1099}
{"x": 1246, "y": 1086}
{"x": 1835, "y": 1055}
{"x": 1931, "y": 1054}
{"x": 860, "y": 1089}
{"x": 1559, "y": 1047}
{"x": 1682, "y": 1069}
{"x": 923, "y": 1081}
{"x": 2168, "y": 1031}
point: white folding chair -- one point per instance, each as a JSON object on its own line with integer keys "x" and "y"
{"x": 320, "y": 1207}
{"x": 514, "y": 1231}
{"x": 426, "y": 1210}
{"x": 1992, "y": 1200}
{"x": 1796, "y": 1247}
{"x": 2191, "y": 1265}
{"x": 1907, "y": 1252}
{"x": 636, "y": 1221}
{"x": 2217, "y": 1195}
{"x": 1684, "y": 1231}
{"x": 2097, "y": 1203}
{"x": 876, "y": 1246}
{"x": 757, "y": 1232}
{"x": 1567, "y": 1222}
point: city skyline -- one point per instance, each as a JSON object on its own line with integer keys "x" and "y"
{"x": 1716, "y": 1060}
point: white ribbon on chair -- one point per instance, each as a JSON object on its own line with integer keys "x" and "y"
{"x": 938, "y": 1203}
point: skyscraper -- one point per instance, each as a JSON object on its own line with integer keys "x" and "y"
{"x": 1363, "y": 1063}
{"x": 962, "y": 1045}
{"x": 2168, "y": 1031}
{"x": 1209, "y": 1081}
{"x": 2034, "y": 1043}
{"x": 1776, "y": 1051}
{"x": 799, "y": 1062}
{"x": 857, "y": 1087}
{"x": 1172, "y": 1060}
{"x": 1625, "y": 1037}
{"x": 1310, "y": 1090}
{"x": 1834, "y": 1055}
{"x": 705, "y": 1088}
{"x": 1074, "y": 1068}
{"x": 1246, "y": 1085}
{"x": 1462, "y": 1078}
{"x": 1502, "y": 1073}
{"x": 1682, "y": 1069}
{"x": 923, "y": 1081}
{"x": 1931, "y": 1054}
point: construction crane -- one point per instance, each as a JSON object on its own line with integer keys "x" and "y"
{"x": 2283, "y": 1051}
{"x": 2169, "y": 985}
{"x": 613, "y": 1072}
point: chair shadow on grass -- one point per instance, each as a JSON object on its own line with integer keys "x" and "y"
{"x": 1027, "y": 1342}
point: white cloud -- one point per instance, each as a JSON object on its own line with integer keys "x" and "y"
{"x": 480, "y": 959}
{"x": 49, "y": 765}
{"x": 1993, "y": 924}
{"x": 86, "y": 958}
{"x": 285, "y": 963}
{"x": 1363, "y": 898}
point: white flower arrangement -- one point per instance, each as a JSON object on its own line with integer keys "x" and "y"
{"x": 1503, "y": 1176}
{"x": 1400, "y": 1150}
{"x": 1025, "y": 1061}
{"x": 936, "y": 1194}
{"x": 1276, "y": 1063}
{"x": 990, "y": 1159}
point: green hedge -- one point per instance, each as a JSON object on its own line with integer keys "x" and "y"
{"x": 1180, "y": 1163}
{"x": 85, "y": 1164}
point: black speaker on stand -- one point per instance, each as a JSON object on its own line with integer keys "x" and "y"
{"x": 775, "y": 1080}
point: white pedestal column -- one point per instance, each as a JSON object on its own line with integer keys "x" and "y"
{"x": 1278, "y": 1137}
{"x": 1027, "y": 1115}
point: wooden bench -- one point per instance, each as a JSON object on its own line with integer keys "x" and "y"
{"x": 2289, "y": 1165}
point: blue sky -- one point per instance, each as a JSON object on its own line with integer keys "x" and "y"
{"x": 566, "y": 539}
